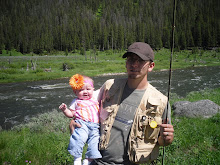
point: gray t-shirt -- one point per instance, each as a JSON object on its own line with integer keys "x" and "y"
{"x": 116, "y": 152}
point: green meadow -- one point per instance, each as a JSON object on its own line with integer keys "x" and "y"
{"x": 15, "y": 67}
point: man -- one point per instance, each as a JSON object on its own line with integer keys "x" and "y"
{"x": 132, "y": 112}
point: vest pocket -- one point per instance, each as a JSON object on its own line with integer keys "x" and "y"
{"x": 139, "y": 156}
{"x": 144, "y": 152}
{"x": 143, "y": 129}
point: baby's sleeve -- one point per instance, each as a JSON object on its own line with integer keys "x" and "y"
{"x": 73, "y": 105}
{"x": 96, "y": 94}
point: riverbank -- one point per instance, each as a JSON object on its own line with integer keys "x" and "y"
{"x": 45, "y": 138}
{"x": 48, "y": 67}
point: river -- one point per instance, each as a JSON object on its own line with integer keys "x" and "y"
{"x": 21, "y": 101}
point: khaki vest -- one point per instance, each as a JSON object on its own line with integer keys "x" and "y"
{"x": 142, "y": 143}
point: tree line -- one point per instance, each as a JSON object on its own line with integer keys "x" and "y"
{"x": 69, "y": 25}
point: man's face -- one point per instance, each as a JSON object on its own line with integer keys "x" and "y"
{"x": 136, "y": 67}
{"x": 85, "y": 93}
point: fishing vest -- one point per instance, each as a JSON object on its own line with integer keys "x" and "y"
{"x": 142, "y": 143}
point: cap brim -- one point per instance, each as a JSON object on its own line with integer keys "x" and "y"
{"x": 141, "y": 56}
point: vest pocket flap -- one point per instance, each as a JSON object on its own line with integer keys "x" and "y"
{"x": 153, "y": 133}
{"x": 154, "y": 101}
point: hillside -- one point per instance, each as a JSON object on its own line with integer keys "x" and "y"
{"x": 68, "y": 25}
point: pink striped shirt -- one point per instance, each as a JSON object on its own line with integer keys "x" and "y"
{"x": 87, "y": 110}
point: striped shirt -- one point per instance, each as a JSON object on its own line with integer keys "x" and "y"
{"x": 87, "y": 110}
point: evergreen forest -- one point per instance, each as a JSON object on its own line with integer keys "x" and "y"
{"x": 70, "y": 25}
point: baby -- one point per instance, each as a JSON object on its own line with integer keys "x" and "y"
{"x": 85, "y": 110}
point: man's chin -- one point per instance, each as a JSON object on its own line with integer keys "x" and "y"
{"x": 132, "y": 76}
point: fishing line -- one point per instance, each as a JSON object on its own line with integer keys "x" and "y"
{"x": 170, "y": 70}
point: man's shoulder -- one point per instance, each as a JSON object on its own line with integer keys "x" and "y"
{"x": 115, "y": 82}
{"x": 155, "y": 97}
{"x": 155, "y": 92}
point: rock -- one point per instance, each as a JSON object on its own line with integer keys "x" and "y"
{"x": 202, "y": 108}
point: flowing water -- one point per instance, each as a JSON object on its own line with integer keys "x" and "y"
{"x": 21, "y": 101}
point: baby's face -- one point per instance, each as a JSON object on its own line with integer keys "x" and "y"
{"x": 86, "y": 92}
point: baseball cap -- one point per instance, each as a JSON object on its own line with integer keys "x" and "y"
{"x": 143, "y": 50}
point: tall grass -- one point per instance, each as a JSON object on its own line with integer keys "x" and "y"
{"x": 44, "y": 139}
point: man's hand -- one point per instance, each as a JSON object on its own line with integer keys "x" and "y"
{"x": 166, "y": 134}
{"x": 73, "y": 125}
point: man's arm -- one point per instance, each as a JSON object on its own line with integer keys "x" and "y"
{"x": 73, "y": 125}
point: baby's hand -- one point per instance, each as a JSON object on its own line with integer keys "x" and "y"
{"x": 63, "y": 107}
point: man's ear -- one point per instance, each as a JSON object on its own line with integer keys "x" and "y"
{"x": 151, "y": 66}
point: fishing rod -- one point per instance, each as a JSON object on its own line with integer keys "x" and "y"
{"x": 170, "y": 70}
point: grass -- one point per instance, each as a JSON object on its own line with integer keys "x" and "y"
{"x": 44, "y": 139}
{"x": 15, "y": 67}
{"x": 196, "y": 141}
{"x": 38, "y": 147}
